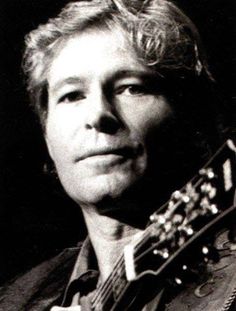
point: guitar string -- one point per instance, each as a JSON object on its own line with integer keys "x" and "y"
{"x": 108, "y": 284}
{"x": 195, "y": 186}
{"x": 102, "y": 292}
{"x": 103, "y": 287}
{"x": 111, "y": 279}
{"x": 102, "y": 295}
{"x": 113, "y": 276}
{"x": 119, "y": 262}
{"x": 154, "y": 246}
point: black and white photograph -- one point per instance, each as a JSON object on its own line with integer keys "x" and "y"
{"x": 118, "y": 155}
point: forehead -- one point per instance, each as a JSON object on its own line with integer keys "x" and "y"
{"x": 93, "y": 53}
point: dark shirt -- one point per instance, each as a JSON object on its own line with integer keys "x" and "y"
{"x": 45, "y": 286}
{"x": 214, "y": 287}
{"x": 84, "y": 279}
{"x": 41, "y": 287}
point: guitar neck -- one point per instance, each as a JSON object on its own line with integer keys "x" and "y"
{"x": 110, "y": 292}
{"x": 198, "y": 210}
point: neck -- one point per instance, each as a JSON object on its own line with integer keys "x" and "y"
{"x": 108, "y": 237}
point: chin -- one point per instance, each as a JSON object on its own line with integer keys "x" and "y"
{"x": 95, "y": 190}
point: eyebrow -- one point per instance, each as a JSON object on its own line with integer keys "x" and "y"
{"x": 120, "y": 74}
{"x": 133, "y": 73}
{"x": 69, "y": 80}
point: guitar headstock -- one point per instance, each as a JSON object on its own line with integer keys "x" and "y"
{"x": 187, "y": 218}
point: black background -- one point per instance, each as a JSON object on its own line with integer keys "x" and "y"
{"x": 36, "y": 219}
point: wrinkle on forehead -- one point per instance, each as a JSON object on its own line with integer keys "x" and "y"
{"x": 89, "y": 45}
{"x": 118, "y": 33}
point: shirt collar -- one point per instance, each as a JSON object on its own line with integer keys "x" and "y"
{"x": 85, "y": 274}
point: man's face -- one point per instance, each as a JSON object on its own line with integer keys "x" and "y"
{"x": 103, "y": 106}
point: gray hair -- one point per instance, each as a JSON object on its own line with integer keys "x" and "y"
{"x": 161, "y": 34}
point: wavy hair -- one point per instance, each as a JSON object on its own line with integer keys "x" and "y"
{"x": 161, "y": 34}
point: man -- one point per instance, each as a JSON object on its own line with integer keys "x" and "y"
{"x": 120, "y": 89}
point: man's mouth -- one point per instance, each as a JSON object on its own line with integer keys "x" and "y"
{"x": 125, "y": 152}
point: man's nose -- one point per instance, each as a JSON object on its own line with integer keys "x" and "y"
{"x": 102, "y": 115}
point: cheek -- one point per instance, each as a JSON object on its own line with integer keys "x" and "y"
{"x": 61, "y": 127}
{"x": 57, "y": 138}
{"x": 147, "y": 117}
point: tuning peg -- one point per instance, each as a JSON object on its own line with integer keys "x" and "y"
{"x": 210, "y": 253}
{"x": 185, "y": 198}
{"x": 213, "y": 208}
{"x": 207, "y": 207}
{"x": 176, "y": 195}
{"x": 210, "y": 174}
{"x": 184, "y": 233}
{"x": 156, "y": 252}
{"x": 152, "y": 218}
{"x": 205, "y": 203}
{"x": 177, "y": 219}
{"x": 188, "y": 230}
{"x": 205, "y": 250}
{"x": 186, "y": 274}
{"x": 164, "y": 254}
{"x": 160, "y": 219}
{"x": 178, "y": 281}
{"x": 208, "y": 189}
{"x": 207, "y": 172}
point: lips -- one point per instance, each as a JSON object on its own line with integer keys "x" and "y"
{"x": 127, "y": 152}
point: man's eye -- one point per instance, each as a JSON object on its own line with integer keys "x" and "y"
{"x": 71, "y": 97}
{"x": 132, "y": 90}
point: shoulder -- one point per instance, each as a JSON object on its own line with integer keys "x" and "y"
{"x": 40, "y": 287}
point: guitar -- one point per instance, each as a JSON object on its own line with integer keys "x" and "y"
{"x": 164, "y": 251}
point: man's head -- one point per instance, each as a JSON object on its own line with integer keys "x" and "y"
{"x": 104, "y": 76}
{"x": 162, "y": 36}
